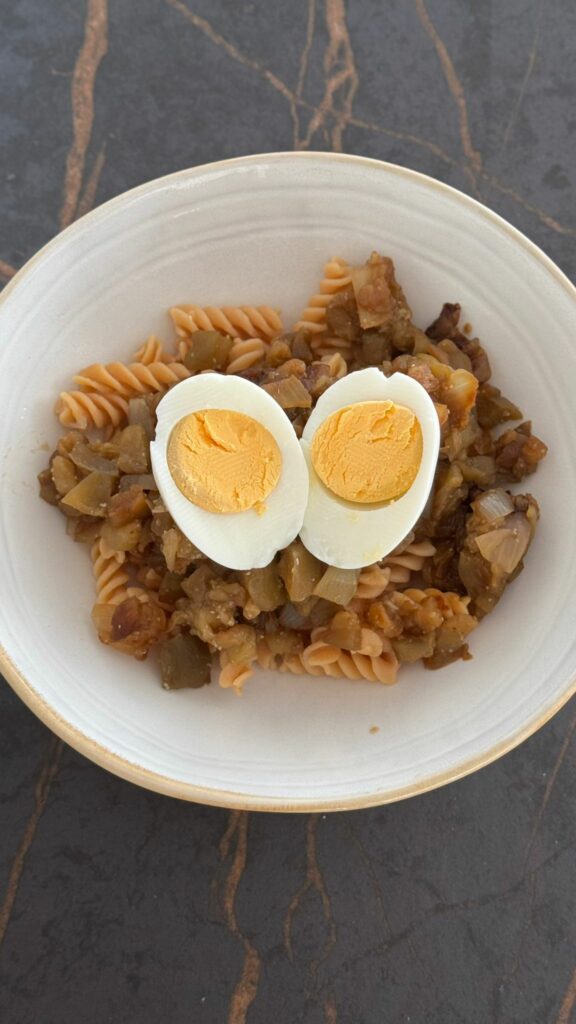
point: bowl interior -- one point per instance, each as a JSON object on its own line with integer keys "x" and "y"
{"x": 252, "y": 231}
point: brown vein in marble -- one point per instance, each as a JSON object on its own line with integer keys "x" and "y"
{"x": 224, "y": 844}
{"x": 441, "y": 909}
{"x": 247, "y": 986}
{"x": 295, "y": 98}
{"x": 550, "y": 222}
{"x": 473, "y": 158}
{"x": 330, "y": 1013}
{"x": 91, "y": 53}
{"x": 545, "y": 218}
{"x": 335, "y": 108}
{"x": 6, "y": 270}
{"x": 368, "y": 866}
{"x": 296, "y": 102}
{"x": 215, "y": 37}
{"x": 305, "y": 55}
{"x": 302, "y": 72}
{"x": 86, "y": 201}
{"x": 415, "y": 140}
{"x": 527, "y": 75}
{"x": 313, "y": 881}
{"x": 379, "y": 896}
{"x": 568, "y": 1002}
{"x": 41, "y": 793}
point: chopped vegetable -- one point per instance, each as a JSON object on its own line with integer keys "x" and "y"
{"x": 289, "y": 392}
{"x": 185, "y": 661}
{"x": 144, "y": 481}
{"x": 122, "y": 538}
{"x": 209, "y": 350}
{"x": 48, "y": 491}
{"x": 338, "y": 585}
{"x": 90, "y": 496}
{"x": 134, "y": 450}
{"x": 409, "y": 649}
{"x": 492, "y": 408}
{"x": 128, "y": 505}
{"x": 265, "y": 587}
{"x": 344, "y": 631}
{"x": 86, "y": 459}
{"x": 342, "y": 316}
{"x": 299, "y": 570}
{"x": 131, "y": 626}
{"x": 63, "y": 475}
{"x": 140, "y": 414}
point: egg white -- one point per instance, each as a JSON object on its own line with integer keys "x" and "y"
{"x": 347, "y": 534}
{"x": 240, "y": 540}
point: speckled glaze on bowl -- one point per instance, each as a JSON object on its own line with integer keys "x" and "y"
{"x": 258, "y": 229}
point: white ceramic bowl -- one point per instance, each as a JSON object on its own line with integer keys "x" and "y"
{"x": 257, "y": 230}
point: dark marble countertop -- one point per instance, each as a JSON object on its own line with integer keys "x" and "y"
{"x": 121, "y": 906}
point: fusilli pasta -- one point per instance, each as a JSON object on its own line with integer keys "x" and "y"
{"x": 244, "y": 354}
{"x": 129, "y": 379}
{"x": 336, "y": 364}
{"x": 323, "y": 659}
{"x": 295, "y": 664}
{"x": 324, "y": 345}
{"x": 232, "y": 675}
{"x": 237, "y": 321}
{"x": 111, "y": 578}
{"x": 152, "y": 351}
{"x": 446, "y": 602}
{"x": 81, "y": 411}
{"x": 393, "y": 570}
{"x": 411, "y": 558}
{"x": 372, "y": 582}
{"x": 336, "y": 277}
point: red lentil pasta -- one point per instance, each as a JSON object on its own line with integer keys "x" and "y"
{"x": 156, "y": 593}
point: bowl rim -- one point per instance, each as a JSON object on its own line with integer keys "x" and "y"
{"x": 165, "y": 785}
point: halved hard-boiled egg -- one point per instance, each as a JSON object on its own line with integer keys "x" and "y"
{"x": 230, "y": 469}
{"x": 371, "y": 445}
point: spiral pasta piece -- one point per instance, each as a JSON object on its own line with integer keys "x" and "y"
{"x": 372, "y": 644}
{"x": 152, "y": 351}
{"x": 264, "y": 656}
{"x": 413, "y": 556}
{"x": 237, "y": 321}
{"x": 351, "y": 664}
{"x": 130, "y": 379}
{"x": 336, "y": 277}
{"x": 327, "y": 346}
{"x": 234, "y": 676}
{"x": 82, "y": 411}
{"x": 295, "y": 664}
{"x": 111, "y": 578}
{"x": 323, "y": 659}
{"x": 448, "y": 602}
{"x": 245, "y": 353}
{"x": 336, "y": 364}
{"x": 372, "y": 582}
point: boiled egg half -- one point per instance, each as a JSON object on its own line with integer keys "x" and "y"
{"x": 371, "y": 445}
{"x": 229, "y": 469}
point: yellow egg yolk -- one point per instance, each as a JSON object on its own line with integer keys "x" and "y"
{"x": 223, "y": 461}
{"x": 368, "y": 452}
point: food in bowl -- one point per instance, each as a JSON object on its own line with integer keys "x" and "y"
{"x": 329, "y": 501}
